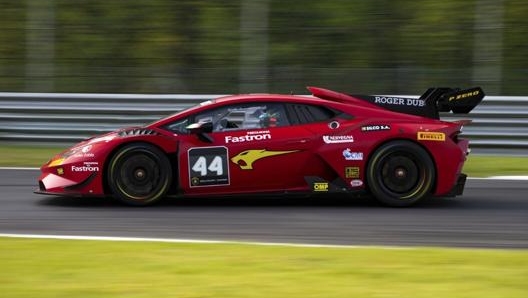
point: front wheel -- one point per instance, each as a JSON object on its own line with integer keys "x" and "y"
{"x": 139, "y": 174}
{"x": 400, "y": 173}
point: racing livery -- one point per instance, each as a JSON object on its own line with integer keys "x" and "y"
{"x": 394, "y": 149}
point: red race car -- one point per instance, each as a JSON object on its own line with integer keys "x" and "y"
{"x": 394, "y": 149}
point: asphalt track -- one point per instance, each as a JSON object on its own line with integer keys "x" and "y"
{"x": 490, "y": 214}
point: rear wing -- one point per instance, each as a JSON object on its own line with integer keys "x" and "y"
{"x": 432, "y": 102}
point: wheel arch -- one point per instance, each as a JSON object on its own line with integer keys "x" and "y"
{"x": 172, "y": 156}
{"x": 386, "y": 141}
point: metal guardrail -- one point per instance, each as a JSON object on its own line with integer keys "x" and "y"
{"x": 69, "y": 118}
{"x": 500, "y": 123}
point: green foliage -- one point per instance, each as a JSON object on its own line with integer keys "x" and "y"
{"x": 12, "y": 45}
{"x": 185, "y": 46}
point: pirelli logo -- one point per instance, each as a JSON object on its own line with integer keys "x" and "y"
{"x": 430, "y": 136}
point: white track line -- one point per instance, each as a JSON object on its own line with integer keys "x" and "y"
{"x": 509, "y": 177}
{"x": 195, "y": 241}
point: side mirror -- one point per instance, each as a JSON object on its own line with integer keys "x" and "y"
{"x": 200, "y": 127}
{"x": 201, "y": 130}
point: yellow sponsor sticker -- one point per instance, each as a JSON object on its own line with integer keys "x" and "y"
{"x": 430, "y": 136}
{"x": 320, "y": 186}
{"x": 351, "y": 172}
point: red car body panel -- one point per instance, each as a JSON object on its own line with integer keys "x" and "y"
{"x": 263, "y": 160}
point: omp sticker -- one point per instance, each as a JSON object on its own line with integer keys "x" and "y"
{"x": 208, "y": 166}
{"x": 245, "y": 159}
{"x": 320, "y": 186}
{"x": 430, "y": 136}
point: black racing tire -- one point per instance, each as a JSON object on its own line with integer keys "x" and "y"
{"x": 400, "y": 174}
{"x": 139, "y": 174}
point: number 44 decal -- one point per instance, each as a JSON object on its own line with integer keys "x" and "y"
{"x": 200, "y": 166}
{"x": 208, "y": 166}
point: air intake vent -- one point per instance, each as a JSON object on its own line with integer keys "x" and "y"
{"x": 137, "y": 132}
{"x": 41, "y": 186}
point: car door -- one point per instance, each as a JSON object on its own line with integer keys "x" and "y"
{"x": 252, "y": 148}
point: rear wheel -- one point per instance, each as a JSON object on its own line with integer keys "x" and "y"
{"x": 400, "y": 173}
{"x": 139, "y": 174}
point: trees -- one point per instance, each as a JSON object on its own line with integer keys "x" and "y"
{"x": 164, "y": 46}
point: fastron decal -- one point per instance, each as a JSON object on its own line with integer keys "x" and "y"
{"x": 250, "y": 137}
{"x": 85, "y": 168}
{"x": 88, "y": 166}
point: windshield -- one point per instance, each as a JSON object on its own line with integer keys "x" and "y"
{"x": 186, "y": 110}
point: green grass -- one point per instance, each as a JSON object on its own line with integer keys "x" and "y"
{"x": 485, "y": 166}
{"x": 84, "y": 268}
{"x": 476, "y": 165}
{"x": 26, "y": 156}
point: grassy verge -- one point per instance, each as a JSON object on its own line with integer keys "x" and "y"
{"x": 81, "y": 268}
{"x": 26, "y": 156}
{"x": 486, "y": 166}
{"x": 476, "y": 165}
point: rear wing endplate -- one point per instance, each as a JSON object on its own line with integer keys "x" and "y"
{"x": 455, "y": 100}
{"x": 431, "y": 102}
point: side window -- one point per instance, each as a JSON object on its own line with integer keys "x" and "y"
{"x": 245, "y": 116}
{"x": 271, "y": 115}
{"x": 302, "y": 113}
